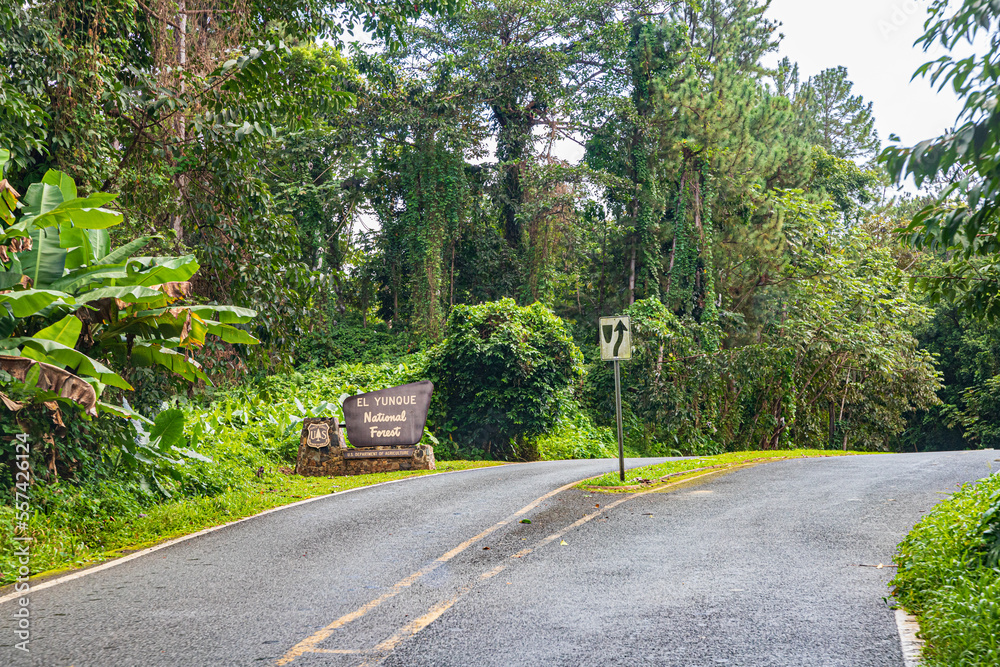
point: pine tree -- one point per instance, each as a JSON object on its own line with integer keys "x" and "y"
{"x": 843, "y": 124}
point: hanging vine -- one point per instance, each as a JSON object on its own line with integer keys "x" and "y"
{"x": 435, "y": 193}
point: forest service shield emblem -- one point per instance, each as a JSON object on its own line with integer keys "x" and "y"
{"x": 318, "y": 436}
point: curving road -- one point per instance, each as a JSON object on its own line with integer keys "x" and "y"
{"x": 765, "y": 565}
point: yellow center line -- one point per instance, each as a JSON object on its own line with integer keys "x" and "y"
{"x": 418, "y": 624}
{"x": 340, "y": 651}
{"x": 413, "y": 627}
{"x": 307, "y": 645}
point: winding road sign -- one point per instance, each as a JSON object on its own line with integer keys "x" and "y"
{"x": 616, "y": 338}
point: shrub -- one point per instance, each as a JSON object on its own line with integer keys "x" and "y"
{"x": 498, "y": 376}
{"x": 949, "y": 576}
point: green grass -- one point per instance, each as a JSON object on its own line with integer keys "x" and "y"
{"x": 944, "y": 579}
{"x": 657, "y": 472}
{"x": 64, "y": 540}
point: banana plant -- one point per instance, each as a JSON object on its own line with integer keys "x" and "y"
{"x": 69, "y": 300}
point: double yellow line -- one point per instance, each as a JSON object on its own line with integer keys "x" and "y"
{"x": 382, "y": 649}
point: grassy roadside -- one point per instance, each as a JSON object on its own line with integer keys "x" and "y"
{"x": 643, "y": 478}
{"x": 949, "y": 576}
{"x": 65, "y": 542}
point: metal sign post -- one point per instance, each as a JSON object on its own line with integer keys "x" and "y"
{"x": 618, "y": 414}
{"x": 616, "y": 345}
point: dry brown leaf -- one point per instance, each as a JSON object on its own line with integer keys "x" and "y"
{"x": 5, "y": 185}
{"x": 11, "y": 404}
{"x": 175, "y": 290}
{"x": 55, "y": 379}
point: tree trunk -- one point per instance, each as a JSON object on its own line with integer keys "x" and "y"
{"x": 182, "y": 129}
{"x": 604, "y": 261}
{"x": 631, "y": 277}
{"x": 451, "y": 296}
{"x": 670, "y": 269}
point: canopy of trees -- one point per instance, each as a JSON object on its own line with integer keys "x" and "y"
{"x": 729, "y": 206}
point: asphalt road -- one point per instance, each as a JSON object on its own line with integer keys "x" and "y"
{"x": 766, "y": 565}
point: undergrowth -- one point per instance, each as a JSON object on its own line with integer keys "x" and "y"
{"x": 655, "y": 473}
{"x": 949, "y": 576}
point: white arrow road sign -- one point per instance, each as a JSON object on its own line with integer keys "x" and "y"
{"x": 616, "y": 338}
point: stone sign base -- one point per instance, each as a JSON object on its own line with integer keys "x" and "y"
{"x": 323, "y": 453}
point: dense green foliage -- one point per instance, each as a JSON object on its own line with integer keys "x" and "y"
{"x": 963, "y": 221}
{"x": 75, "y": 311}
{"x": 842, "y": 369}
{"x": 949, "y": 574}
{"x": 500, "y": 375}
{"x": 722, "y": 202}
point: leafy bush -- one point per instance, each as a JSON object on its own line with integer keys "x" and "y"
{"x": 574, "y": 436}
{"x": 499, "y": 375}
{"x": 949, "y": 576}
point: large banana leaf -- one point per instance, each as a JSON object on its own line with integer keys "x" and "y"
{"x": 53, "y": 202}
{"x": 224, "y": 314}
{"x": 10, "y": 278}
{"x": 121, "y": 254}
{"x": 65, "y": 332}
{"x": 157, "y": 324}
{"x": 8, "y": 196}
{"x": 95, "y": 201}
{"x": 231, "y": 334}
{"x": 45, "y": 263}
{"x": 151, "y": 271}
{"x": 57, "y": 354}
{"x": 76, "y": 281}
{"x": 136, "y": 294}
{"x": 29, "y": 302}
{"x": 153, "y": 354}
{"x": 53, "y": 379}
{"x": 85, "y": 246}
{"x": 88, "y": 218}
{"x": 60, "y": 180}
{"x": 40, "y": 199}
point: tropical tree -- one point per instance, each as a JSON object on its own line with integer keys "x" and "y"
{"x": 72, "y": 302}
{"x": 963, "y": 222}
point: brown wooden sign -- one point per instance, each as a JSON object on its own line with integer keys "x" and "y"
{"x": 393, "y": 417}
{"x": 403, "y": 453}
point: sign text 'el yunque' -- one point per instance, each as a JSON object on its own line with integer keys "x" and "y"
{"x": 393, "y": 417}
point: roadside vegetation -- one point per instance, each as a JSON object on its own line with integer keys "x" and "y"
{"x": 650, "y": 476}
{"x": 949, "y": 576}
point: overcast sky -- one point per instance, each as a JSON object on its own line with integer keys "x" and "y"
{"x": 874, "y": 40}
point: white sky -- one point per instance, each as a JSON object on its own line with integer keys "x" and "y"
{"x": 874, "y": 40}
